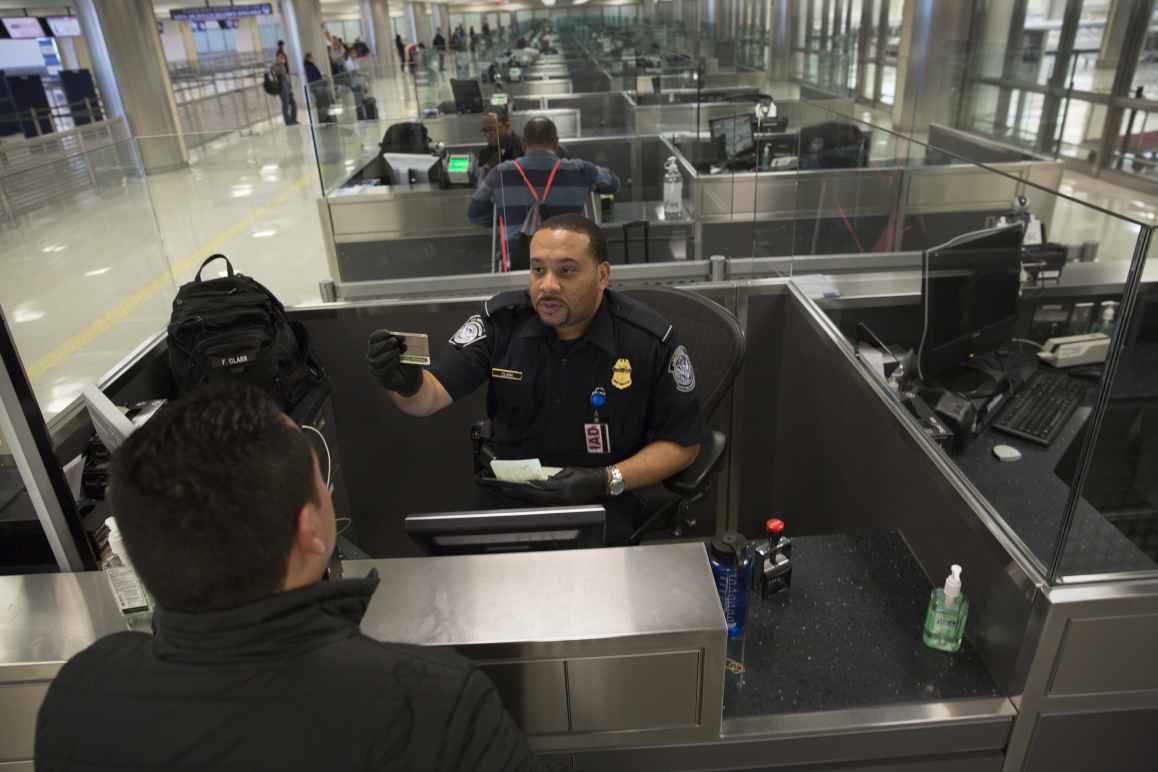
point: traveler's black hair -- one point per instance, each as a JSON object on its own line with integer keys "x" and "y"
{"x": 540, "y": 131}
{"x": 207, "y": 496}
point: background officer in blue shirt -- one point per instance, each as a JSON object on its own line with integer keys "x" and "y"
{"x": 579, "y": 376}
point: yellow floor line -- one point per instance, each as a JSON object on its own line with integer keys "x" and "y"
{"x": 120, "y": 311}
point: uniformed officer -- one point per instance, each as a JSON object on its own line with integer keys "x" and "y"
{"x": 579, "y": 376}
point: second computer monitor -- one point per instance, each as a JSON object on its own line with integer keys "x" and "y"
{"x": 468, "y": 97}
{"x": 735, "y": 133}
{"x": 508, "y": 530}
{"x": 970, "y": 294}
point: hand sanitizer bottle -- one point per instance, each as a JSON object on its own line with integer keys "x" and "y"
{"x": 948, "y": 610}
{"x": 673, "y": 189}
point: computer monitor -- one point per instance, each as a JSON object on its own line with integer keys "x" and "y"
{"x": 468, "y": 97}
{"x": 970, "y": 292}
{"x": 735, "y": 133}
{"x": 508, "y": 530}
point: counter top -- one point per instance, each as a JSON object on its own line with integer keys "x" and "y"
{"x": 652, "y": 211}
{"x": 847, "y": 634}
{"x": 537, "y": 597}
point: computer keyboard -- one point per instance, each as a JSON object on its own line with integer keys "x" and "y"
{"x": 1041, "y": 407}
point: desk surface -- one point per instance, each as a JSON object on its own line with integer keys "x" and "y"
{"x": 847, "y": 634}
{"x": 1032, "y": 499}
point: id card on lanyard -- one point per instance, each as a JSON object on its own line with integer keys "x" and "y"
{"x": 597, "y": 435}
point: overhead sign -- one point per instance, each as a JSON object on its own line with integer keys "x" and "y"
{"x": 23, "y": 27}
{"x": 64, "y": 26}
{"x": 215, "y": 12}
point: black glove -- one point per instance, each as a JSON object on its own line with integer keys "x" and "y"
{"x": 573, "y": 485}
{"x": 384, "y": 355}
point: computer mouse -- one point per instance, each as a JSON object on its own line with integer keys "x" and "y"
{"x": 1006, "y": 453}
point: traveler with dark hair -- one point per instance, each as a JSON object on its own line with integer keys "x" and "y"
{"x": 285, "y": 92}
{"x": 546, "y": 353}
{"x": 255, "y": 663}
{"x": 530, "y": 189}
{"x": 503, "y": 142}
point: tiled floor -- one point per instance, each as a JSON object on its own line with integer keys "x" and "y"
{"x": 86, "y": 281}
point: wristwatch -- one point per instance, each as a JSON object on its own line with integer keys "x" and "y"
{"x": 614, "y": 481}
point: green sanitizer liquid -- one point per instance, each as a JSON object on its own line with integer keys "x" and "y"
{"x": 945, "y": 619}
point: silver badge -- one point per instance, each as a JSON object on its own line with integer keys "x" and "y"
{"x": 472, "y": 329}
{"x": 681, "y": 370}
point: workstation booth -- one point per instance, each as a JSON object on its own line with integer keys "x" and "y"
{"x": 912, "y": 365}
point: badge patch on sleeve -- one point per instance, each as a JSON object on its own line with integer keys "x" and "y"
{"x": 473, "y": 329}
{"x": 681, "y": 370}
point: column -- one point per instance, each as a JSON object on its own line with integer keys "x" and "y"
{"x": 781, "y": 23}
{"x": 1052, "y": 104}
{"x": 1118, "y": 21}
{"x": 188, "y": 42}
{"x": 303, "y": 33}
{"x": 133, "y": 77}
{"x": 376, "y": 18}
{"x": 444, "y": 14}
{"x": 420, "y": 23}
{"x": 931, "y": 42}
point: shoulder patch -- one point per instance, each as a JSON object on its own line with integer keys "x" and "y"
{"x": 681, "y": 370}
{"x": 472, "y": 330}
{"x": 642, "y": 316}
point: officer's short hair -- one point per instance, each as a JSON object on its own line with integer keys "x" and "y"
{"x": 577, "y": 223}
{"x": 540, "y": 132}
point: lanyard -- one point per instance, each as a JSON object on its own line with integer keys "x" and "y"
{"x": 530, "y": 187}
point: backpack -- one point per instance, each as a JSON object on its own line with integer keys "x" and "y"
{"x": 234, "y": 329}
{"x": 271, "y": 83}
{"x": 406, "y": 138}
{"x": 518, "y": 250}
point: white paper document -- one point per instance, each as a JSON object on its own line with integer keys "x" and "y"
{"x": 522, "y": 470}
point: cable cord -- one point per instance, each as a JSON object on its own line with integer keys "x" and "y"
{"x": 1027, "y": 342}
{"x": 329, "y": 458}
{"x": 925, "y": 314}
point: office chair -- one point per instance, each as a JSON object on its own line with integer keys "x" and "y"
{"x": 716, "y": 344}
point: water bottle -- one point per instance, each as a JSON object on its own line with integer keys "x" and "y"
{"x": 673, "y": 189}
{"x": 731, "y": 562}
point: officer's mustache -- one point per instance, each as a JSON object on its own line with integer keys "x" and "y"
{"x": 550, "y": 298}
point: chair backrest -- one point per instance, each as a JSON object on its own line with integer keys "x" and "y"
{"x": 710, "y": 332}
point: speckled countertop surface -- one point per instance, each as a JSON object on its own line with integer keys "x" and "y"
{"x": 847, "y": 634}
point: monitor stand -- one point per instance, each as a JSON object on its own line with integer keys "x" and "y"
{"x": 974, "y": 380}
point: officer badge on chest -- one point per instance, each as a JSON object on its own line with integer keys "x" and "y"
{"x": 621, "y": 374}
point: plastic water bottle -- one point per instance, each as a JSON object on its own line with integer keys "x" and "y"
{"x": 673, "y": 189}
{"x": 731, "y": 562}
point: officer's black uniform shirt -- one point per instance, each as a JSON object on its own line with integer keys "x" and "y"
{"x": 540, "y": 387}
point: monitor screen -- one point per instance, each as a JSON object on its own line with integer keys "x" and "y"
{"x": 458, "y": 163}
{"x": 64, "y": 26}
{"x": 23, "y": 27}
{"x": 970, "y": 296}
{"x": 736, "y": 134}
{"x": 508, "y": 530}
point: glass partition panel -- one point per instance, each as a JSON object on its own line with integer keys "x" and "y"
{"x": 1113, "y": 462}
{"x": 955, "y": 295}
{"x": 86, "y": 279}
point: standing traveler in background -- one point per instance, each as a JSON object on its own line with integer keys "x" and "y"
{"x": 289, "y": 106}
{"x": 256, "y": 662}
{"x": 401, "y": 46}
{"x": 439, "y": 44}
{"x": 317, "y": 90}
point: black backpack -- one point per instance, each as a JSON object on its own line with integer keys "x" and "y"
{"x": 271, "y": 83}
{"x": 234, "y": 329}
